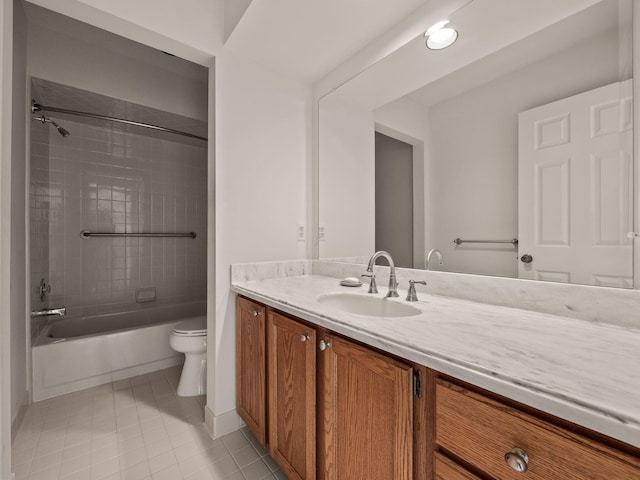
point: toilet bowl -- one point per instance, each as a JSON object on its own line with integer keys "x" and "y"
{"x": 190, "y": 337}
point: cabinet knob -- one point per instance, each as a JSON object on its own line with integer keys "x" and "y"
{"x": 305, "y": 337}
{"x": 256, "y": 313}
{"x": 517, "y": 459}
{"x": 324, "y": 345}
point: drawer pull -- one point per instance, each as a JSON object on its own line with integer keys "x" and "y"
{"x": 517, "y": 459}
{"x": 305, "y": 337}
{"x": 256, "y": 313}
{"x": 324, "y": 345}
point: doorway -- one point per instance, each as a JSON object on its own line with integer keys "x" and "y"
{"x": 394, "y": 212}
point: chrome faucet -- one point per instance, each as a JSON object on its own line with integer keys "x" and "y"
{"x": 393, "y": 284}
{"x": 45, "y": 312}
{"x": 433, "y": 251}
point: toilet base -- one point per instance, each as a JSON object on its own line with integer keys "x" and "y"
{"x": 193, "y": 380}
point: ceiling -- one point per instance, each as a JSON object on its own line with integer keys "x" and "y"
{"x": 486, "y": 27}
{"x": 302, "y": 39}
{"x": 569, "y": 32}
{"x": 305, "y": 39}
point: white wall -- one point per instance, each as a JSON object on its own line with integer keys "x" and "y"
{"x": 346, "y": 179}
{"x": 474, "y": 154}
{"x": 6, "y": 46}
{"x": 262, "y": 151}
{"x": 18, "y": 225}
{"x": 233, "y": 11}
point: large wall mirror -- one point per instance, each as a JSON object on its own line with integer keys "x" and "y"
{"x": 511, "y": 152}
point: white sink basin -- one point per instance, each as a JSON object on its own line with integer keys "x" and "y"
{"x": 373, "y": 306}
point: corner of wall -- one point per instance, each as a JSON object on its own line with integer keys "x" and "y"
{"x": 17, "y": 422}
{"x": 219, "y": 425}
{"x": 17, "y": 225}
{"x": 6, "y": 75}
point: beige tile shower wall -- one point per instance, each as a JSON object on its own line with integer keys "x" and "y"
{"x": 108, "y": 181}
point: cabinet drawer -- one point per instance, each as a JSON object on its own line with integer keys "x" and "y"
{"x": 481, "y": 431}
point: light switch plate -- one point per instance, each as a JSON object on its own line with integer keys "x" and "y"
{"x": 301, "y": 233}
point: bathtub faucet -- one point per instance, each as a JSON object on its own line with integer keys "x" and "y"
{"x": 45, "y": 312}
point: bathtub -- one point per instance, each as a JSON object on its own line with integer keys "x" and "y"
{"x": 72, "y": 354}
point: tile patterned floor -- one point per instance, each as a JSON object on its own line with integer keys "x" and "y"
{"x": 134, "y": 429}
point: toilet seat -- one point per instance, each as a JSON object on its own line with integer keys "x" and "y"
{"x": 192, "y": 327}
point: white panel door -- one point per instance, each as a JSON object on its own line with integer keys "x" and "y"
{"x": 575, "y": 189}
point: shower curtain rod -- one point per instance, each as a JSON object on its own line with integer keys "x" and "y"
{"x": 36, "y": 107}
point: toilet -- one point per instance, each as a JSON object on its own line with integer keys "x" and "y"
{"x": 190, "y": 337}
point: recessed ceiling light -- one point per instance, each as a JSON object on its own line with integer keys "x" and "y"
{"x": 439, "y": 36}
{"x": 434, "y": 28}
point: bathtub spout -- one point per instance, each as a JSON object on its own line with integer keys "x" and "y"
{"x": 45, "y": 312}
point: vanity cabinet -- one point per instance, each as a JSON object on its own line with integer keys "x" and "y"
{"x": 446, "y": 469}
{"x": 251, "y": 361}
{"x": 481, "y": 432}
{"x": 365, "y": 414}
{"x": 339, "y": 410}
{"x": 292, "y": 396}
{"x": 336, "y": 409}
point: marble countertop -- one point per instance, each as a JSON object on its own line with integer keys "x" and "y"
{"x": 584, "y": 372}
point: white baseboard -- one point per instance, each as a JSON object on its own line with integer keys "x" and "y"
{"x": 219, "y": 425}
{"x": 15, "y": 425}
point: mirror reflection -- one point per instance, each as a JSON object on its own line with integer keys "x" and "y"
{"x": 514, "y": 159}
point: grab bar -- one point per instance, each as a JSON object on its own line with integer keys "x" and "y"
{"x": 459, "y": 241}
{"x": 88, "y": 234}
{"x": 45, "y": 312}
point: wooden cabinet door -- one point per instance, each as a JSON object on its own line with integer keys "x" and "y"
{"x": 292, "y": 396}
{"x": 365, "y": 414}
{"x": 446, "y": 469}
{"x": 251, "y": 401}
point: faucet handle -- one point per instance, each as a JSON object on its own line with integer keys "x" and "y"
{"x": 373, "y": 288}
{"x": 412, "y": 296}
{"x": 43, "y": 289}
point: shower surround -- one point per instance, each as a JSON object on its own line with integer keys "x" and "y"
{"x": 104, "y": 179}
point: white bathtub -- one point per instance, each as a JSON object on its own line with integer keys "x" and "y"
{"x": 76, "y": 353}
